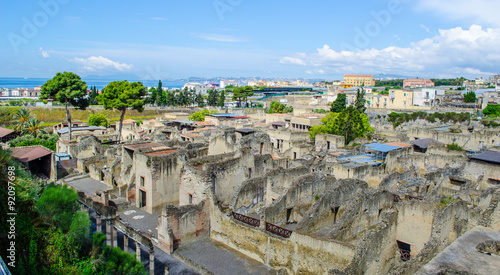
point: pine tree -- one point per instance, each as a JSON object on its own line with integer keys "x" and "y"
{"x": 199, "y": 100}
{"x": 222, "y": 98}
{"x": 339, "y": 104}
{"x": 159, "y": 94}
{"x": 360, "y": 102}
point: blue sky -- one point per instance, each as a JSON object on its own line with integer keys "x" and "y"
{"x": 291, "y": 39}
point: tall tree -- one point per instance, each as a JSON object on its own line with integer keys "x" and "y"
{"x": 242, "y": 93}
{"x": 93, "y": 94}
{"x": 152, "y": 96}
{"x": 222, "y": 99}
{"x": 212, "y": 98}
{"x": 159, "y": 93}
{"x": 199, "y": 100}
{"x": 339, "y": 104}
{"x": 122, "y": 95}
{"x": 360, "y": 101}
{"x": 67, "y": 88}
{"x": 349, "y": 123}
{"x": 170, "y": 99}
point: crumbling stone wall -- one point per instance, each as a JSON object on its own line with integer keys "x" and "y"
{"x": 299, "y": 254}
{"x": 161, "y": 176}
{"x": 182, "y": 224}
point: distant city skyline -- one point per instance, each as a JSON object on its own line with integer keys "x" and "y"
{"x": 279, "y": 39}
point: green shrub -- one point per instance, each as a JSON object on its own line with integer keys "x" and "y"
{"x": 454, "y": 147}
{"x": 98, "y": 119}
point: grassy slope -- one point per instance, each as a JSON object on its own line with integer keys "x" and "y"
{"x": 52, "y": 116}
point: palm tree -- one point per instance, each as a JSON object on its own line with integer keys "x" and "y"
{"x": 22, "y": 116}
{"x": 33, "y": 127}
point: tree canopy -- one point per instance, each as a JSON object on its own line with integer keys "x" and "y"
{"x": 277, "y": 107}
{"x": 470, "y": 97}
{"x": 492, "y": 110}
{"x": 242, "y": 93}
{"x": 360, "y": 101}
{"x": 122, "y": 95}
{"x": 66, "y": 87}
{"x": 349, "y": 123}
{"x": 339, "y": 104}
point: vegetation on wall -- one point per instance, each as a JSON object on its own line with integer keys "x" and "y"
{"x": 278, "y": 108}
{"x": 399, "y": 118}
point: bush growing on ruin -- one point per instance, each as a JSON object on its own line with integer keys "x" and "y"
{"x": 98, "y": 120}
{"x": 454, "y": 147}
{"x": 200, "y": 115}
{"x": 400, "y": 118}
{"x": 470, "y": 97}
{"x": 492, "y": 110}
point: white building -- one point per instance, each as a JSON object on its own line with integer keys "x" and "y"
{"x": 225, "y": 83}
{"x": 200, "y": 88}
{"x": 426, "y": 97}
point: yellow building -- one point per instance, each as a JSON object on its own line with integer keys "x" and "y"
{"x": 396, "y": 99}
{"x": 358, "y": 80}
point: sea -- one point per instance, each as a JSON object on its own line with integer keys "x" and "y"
{"x": 30, "y": 83}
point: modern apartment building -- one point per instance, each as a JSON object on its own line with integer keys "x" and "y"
{"x": 358, "y": 80}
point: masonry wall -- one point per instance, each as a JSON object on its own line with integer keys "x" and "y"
{"x": 300, "y": 254}
{"x": 182, "y": 224}
{"x": 161, "y": 179}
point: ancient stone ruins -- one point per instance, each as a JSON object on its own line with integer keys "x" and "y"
{"x": 400, "y": 203}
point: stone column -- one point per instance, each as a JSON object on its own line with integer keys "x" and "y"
{"x": 109, "y": 233}
{"x": 114, "y": 235}
{"x": 151, "y": 260}
{"x": 138, "y": 251}
{"x": 125, "y": 243}
{"x": 98, "y": 224}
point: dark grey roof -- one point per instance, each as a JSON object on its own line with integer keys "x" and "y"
{"x": 489, "y": 156}
{"x": 245, "y": 131}
{"x": 65, "y": 130}
{"x": 424, "y": 142}
{"x": 279, "y": 123}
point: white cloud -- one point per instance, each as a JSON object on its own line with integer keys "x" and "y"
{"x": 454, "y": 51}
{"x": 220, "y": 37}
{"x": 478, "y": 11}
{"x": 44, "y": 54}
{"x": 98, "y": 63}
{"x": 425, "y": 28}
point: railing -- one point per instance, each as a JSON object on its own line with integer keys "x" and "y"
{"x": 405, "y": 255}
{"x": 248, "y": 220}
{"x": 280, "y": 231}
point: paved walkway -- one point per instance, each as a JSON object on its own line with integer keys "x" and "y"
{"x": 88, "y": 185}
{"x": 220, "y": 259}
